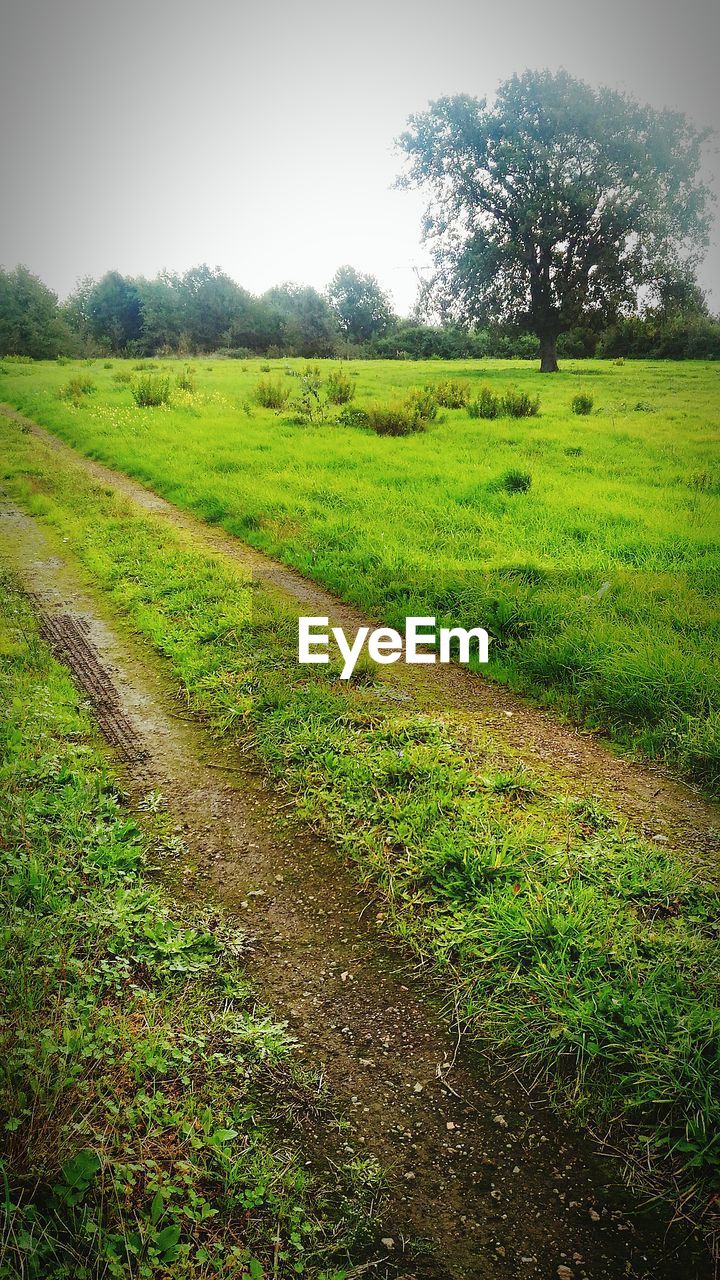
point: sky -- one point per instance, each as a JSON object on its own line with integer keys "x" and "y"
{"x": 260, "y": 138}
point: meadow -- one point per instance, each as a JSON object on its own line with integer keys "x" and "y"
{"x": 587, "y": 545}
{"x": 573, "y": 947}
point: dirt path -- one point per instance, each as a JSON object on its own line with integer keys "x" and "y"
{"x": 659, "y": 805}
{"x": 496, "y": 1185}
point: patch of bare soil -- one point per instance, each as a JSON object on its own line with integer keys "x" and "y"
{"x": 659, "y": 805}
{"x": 478, "y": 1168}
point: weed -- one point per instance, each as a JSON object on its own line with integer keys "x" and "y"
{"x": 423, "y": 402}
{"x": 185, "y": 380}
{"x": 150, "y": 391}
{"x": 518, "y": 404}
{"x": 272, "y": 393}
{"x": 451, "y": 394}
{"x": 485, "y": 405}
{"x": 582, "y": 404}
{"x": 340, "y": 388}
{"x": 514, "y": 481}
{"x": 76, "y": 388}
{"x": 395, "y": 419}
{"x": 122, "y": 376}
{"x": 352, "y": 416}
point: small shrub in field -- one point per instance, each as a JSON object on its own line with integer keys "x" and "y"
{"x": 18, "y": 359}
{"x": 272, "y": 393}
{"x": 486, "y": 405}
{"x": 422, "y": 401}
{"x": 352, "y": 417}
{"x": 77, "y": 387}
{"x": 144, "y": 365}
{"x": 582, "y": 404}
{"x": 518, "y": 404}
{"x": 107, "y": 364}
{"x": 149, "y": 391}
{"x": 514, "y": 481}
{"x": 186, "y": 380}
{"x": 62, "y": 360}
{"x": 573, "y": 450}
{"x": 451, "y": 394}
{"x": 398, "y": 419}
{"x": 122, "y": 375}
{"x": 340, "y": 388}
{"x": 644, "y": 406}
{"x": 264, "y": 368}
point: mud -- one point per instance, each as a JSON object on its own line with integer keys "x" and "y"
{"x": 478, "y": 1168}
{"x": 659, "y": 805}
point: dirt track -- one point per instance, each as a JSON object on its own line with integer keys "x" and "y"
{"x": 658, "y": 805}
{"x": 496, "y": 1184}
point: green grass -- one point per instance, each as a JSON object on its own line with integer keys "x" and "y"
{"x": 574, "y": 947}
{"x": 629, "y": 496}
{"x": 146, "y": 1101}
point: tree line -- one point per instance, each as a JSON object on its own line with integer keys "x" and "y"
{"x": 204, "y": 311}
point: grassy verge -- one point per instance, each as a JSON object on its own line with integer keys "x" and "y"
{"x": 571, "y": 944}
{"x": 596, "y": 570}
{"x": 146, "y": 1102}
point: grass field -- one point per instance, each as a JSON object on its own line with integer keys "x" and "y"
{"x": 598, "y": 582}
{"x": 564, "y": 939}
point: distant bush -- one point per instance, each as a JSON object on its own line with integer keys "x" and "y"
{"x": 107, "y": 364}
{"x": 144, "y": 365}
{"x": 340, "y": 388}
{"x": 514, "y": 481}
{"x": 186, "y": 379}
{"x": 353, "y": 417}
{"x": 582, "y": 404}
{"x": 451, "y": 394}
{"x": 485, "y": 405}
{"x": 62, "y": 360}
{"x": 422, "y": 400}
{"x": 272, "y": 393}
{"x": 149, "y": 391}
{"x": 18, "y": 359}
{"x": 398, "y": 419}
{"x": 77, "y": 387}
{"x": 122, "y": 375}
{"x": 518, "y": 404}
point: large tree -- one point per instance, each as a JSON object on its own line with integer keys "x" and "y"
{"x": 555, "y": 204}
{"x": 361, "y": 307}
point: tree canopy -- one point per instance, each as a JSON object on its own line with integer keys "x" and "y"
{"x": 361, "y": 307}
{"x": 556, "y": 204}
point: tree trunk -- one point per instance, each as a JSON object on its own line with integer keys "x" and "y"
{"x": 548, "y": 353}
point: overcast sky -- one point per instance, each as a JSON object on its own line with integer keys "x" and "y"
{"x": 162, "y": 133}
